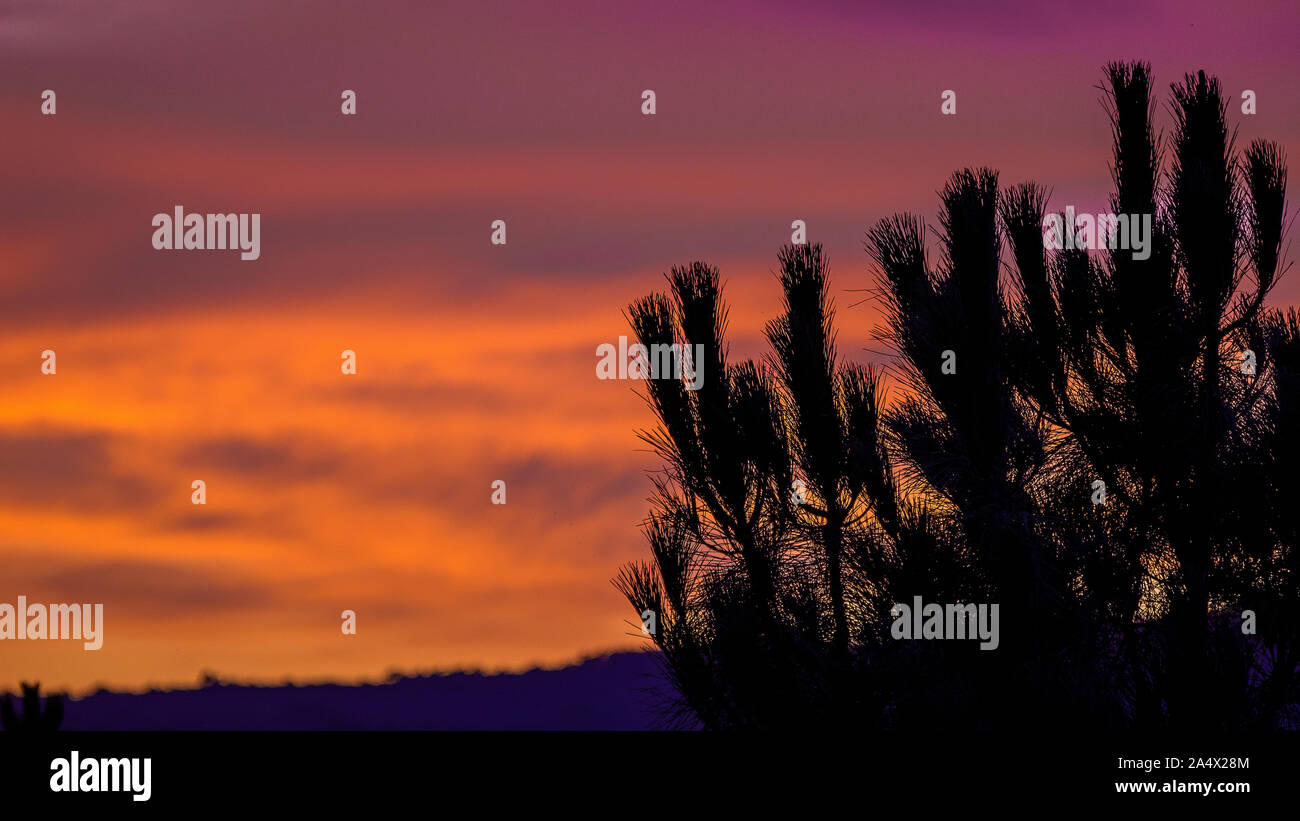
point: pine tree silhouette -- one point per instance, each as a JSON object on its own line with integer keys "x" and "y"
{"x": 1137, "y": 363}
{"x": 797, "y": 507}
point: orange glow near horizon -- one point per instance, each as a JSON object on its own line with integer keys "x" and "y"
{"x": 328, "y": 492}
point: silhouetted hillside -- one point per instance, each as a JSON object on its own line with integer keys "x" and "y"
{"x": 622, "y": 691}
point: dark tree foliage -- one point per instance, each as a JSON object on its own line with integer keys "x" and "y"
{"x": 797, "y": 505}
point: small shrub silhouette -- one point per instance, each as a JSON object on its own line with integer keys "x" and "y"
{"x": 32, "y": 718}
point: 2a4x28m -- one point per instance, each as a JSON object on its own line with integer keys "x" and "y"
{"x": 1209, "y": 763}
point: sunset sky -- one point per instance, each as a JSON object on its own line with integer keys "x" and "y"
{"x": 476, "y": 362}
